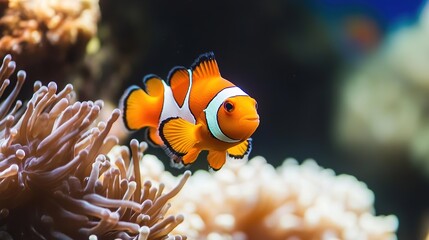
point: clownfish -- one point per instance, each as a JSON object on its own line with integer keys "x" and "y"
{"x": 194, "y": 110}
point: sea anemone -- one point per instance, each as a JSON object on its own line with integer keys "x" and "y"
{"x": 57, "y": 179}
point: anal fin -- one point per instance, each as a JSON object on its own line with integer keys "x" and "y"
{"x": 178, "y": 135}
{"x": 216, "y": 159}
{"x": 240, "y": 150}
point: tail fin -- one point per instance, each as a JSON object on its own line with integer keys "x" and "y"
{"x": 142, "y": 108}
{"x": 132, "y": 109}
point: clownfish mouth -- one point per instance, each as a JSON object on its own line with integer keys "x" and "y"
{"x": 250, "y": 122}
{"x": 251, "y": 119}
{"x": 248, "y": 125}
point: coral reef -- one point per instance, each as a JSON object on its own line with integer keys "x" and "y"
{"x": 253, "y": 200}
{"x": 59, "y": 178}
{"x": 41, "y": 33}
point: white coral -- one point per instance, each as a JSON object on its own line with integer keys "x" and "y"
{"x": 256, "y": 201}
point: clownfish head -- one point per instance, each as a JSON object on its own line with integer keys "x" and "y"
{"x": 238, "y": 117}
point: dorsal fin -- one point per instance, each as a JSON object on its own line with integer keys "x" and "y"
{"x": 152, "y": 84}
{"x": 178, "y": 79}
{"x": 205, "y": 66}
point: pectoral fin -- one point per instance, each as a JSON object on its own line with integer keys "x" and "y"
{"x": 216, "y": 159}
{"x": 178, "y": 135}
{"x": 240, "y": 150}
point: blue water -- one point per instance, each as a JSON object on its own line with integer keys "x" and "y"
{"x": 387, "y": 11}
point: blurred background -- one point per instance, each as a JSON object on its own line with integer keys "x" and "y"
{"x": 321, "y": 72}
{"x": 345, "y": 82}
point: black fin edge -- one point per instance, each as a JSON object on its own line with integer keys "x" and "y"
{"x": 123, "y": 104}
{"x": 172, "y": 71}
{"x": 214, "y": 169}
{"x": 248, "y": 150}
{"x": 173, "y": 154}
{"x": 202, "y": 58}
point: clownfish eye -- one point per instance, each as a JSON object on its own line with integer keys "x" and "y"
{"x": 228, "y": 106}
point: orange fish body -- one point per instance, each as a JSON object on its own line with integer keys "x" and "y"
{"x": 194, "y": 110}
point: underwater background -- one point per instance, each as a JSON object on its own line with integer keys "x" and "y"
{"x": 293, "y": 57}
{"x": 345, "y": 83}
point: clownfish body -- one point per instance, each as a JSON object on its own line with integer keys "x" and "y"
{"x": 194, "y": 110}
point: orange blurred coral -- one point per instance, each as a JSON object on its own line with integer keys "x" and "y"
{"x": 47, "y": 33}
